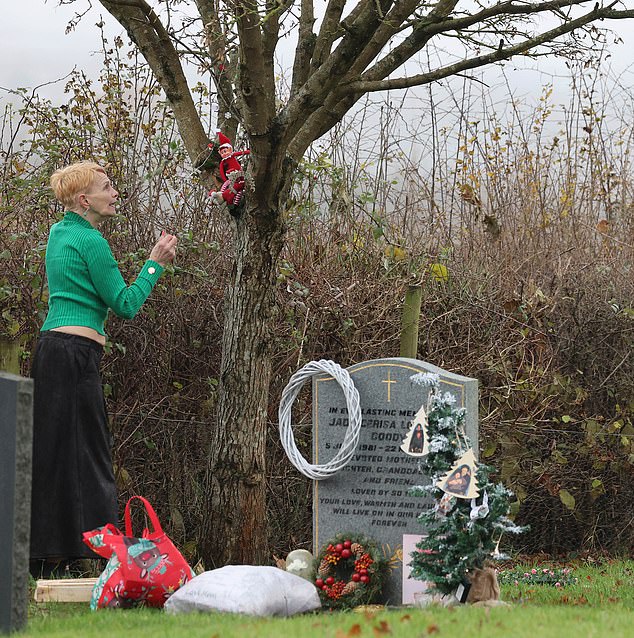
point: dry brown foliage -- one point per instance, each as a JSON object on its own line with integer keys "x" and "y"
{"x": 524, "y": 252}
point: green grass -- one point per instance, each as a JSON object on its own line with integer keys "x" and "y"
{"x": 600, "y": 603}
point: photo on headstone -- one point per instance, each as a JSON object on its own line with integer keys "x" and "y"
{"x": 460, "y": 481}
{"x": 416, "y": 442}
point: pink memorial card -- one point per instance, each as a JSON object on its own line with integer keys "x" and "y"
{"x": 411, "y": 586}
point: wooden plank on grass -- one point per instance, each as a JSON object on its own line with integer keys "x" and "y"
{"x": 64, "y": 590}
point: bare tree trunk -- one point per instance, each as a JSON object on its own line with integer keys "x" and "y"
{"x": 235, "y": 531}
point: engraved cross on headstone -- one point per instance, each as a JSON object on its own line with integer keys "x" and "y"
{"x": 389, "y": 382}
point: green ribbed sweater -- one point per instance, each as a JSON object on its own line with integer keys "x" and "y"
{"x": 84, "y": 279}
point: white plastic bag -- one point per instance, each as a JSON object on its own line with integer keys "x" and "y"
{"x": 246, "y": 589}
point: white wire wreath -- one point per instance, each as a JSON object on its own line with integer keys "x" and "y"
{"x": 351, "y": 438}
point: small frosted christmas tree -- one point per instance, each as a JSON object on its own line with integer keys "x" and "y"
{"x": 470, "y": 513}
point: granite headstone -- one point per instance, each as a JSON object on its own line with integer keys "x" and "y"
{"x": 370, "y": 495}
{"x": 16, "y": 433}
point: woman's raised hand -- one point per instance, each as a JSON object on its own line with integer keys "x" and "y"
{"x": 164, "y": 250}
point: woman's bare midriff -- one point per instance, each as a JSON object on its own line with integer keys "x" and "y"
{"x": 82, "y": 331}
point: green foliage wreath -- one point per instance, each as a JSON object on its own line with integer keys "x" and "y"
{"x": 350, "y": 572}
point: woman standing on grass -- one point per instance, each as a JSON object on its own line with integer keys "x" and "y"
{"x": 73, "y": 479}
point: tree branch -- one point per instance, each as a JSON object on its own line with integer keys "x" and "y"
{"x": 327, "y": 78}
{"x": 369, "y": 85}
{"x": 148, "y": 33}
{"x": 271, "y": 26}
{"x": 319, "y": 123}
{"x": 330, "y": 30}
{"x": 341, "y": 101}
{"x": 434, "y": 24}
{"x": 220, "y": 67}
{"x": 305, "y": 46}
{"x": 389, "y": 27}
{"x": 256, "y": 77}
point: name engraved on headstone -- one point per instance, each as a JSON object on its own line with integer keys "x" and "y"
{"x": 370, "y": 495}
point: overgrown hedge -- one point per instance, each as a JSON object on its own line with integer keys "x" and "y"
{"x": 532, "y": 298}
{"x": 555, "y": 372}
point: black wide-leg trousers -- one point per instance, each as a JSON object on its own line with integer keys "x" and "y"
{"x": 73, "y": 479}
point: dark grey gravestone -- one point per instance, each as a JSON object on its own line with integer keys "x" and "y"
{"x": 370, "y": 495}
{"x": 16, "y": 436}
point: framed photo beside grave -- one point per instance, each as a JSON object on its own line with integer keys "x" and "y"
{"x": 411, "y": 586}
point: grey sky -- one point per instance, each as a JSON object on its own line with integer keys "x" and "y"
{"x": 35, "y": 50}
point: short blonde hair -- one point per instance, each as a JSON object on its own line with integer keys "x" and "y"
{"x": 67, "y": 182}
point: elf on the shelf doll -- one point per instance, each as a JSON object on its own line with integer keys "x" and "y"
{"x": 231, "y": 173}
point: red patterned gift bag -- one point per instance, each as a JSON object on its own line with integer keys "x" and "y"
{"x": 145, "y": 570}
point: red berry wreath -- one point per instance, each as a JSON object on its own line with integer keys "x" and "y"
{"x": 350, "y": 572}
